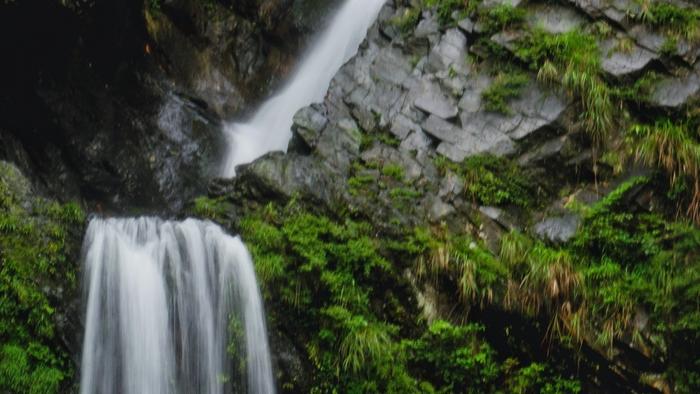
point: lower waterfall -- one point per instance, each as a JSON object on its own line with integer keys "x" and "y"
{"x": 163, "y": 298}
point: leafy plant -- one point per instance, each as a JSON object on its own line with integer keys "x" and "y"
{"x": 505, "y": 86}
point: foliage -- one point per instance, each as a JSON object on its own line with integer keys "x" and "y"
{"x": 35, "y": 252}
{"x": 505, "y": 87}
{"x": 502, "y": 16}
{"x": 572, "y": 58}
{"x": 393, "y": 170}
{"x": 408, "y": 20}
{"x": 494, "y": 180}
{"x": 675, "y": 148}
{"x": 670, "y": 18}
{"x": 445, "y": 8}
{"x": 210, "y": 208}
{"x": 454, "y": 358}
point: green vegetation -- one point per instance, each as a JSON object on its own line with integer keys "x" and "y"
{"x": 408, "y": 20}
{"x": 506, "y": 86}
{"x": 492, "y": 180}
{"x": 324, "y": 274}
{"x": 501, "y": 17}
{"x": 673, "y": 147}
{"x": 35, "y": 256}
{"x": 670, "y": 18}
{"x": 210, "y": 208}
{"x": 394, "y": 171}
{"x": 445, "y": 8}
{"x": 571, "y": 58}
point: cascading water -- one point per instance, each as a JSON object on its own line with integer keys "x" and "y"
{"x": 162, "y": 297}
{"x": 269, "y": 129}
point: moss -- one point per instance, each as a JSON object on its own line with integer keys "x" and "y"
{"x": 394, "y": 171}
{"x": 501, "y": 17}
{"x": 210, "y": 208}
{"x": 670, "y": 18}
{"x": 506, "y": 86}
{"x": 498, "y": 181}
{"x": 35, "y": 256}
{"x": 408, "y": 21}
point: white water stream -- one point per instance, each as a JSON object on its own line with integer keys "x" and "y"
{"x": 270, "y": 128}
{"x": 164, "y": 297}
{"x": 160, "y": 298}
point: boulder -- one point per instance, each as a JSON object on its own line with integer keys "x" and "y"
{"x": 558, "y": 229}
{"x": 675, "y": 92}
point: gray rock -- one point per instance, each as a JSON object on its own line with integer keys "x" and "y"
{"x": 390, "y": 66}
{"x": 617, "y": 62}
{"x": 401, "y": 126}
{"x": 450, "y": 53}
{"x": 558, "y": 229}
{"x": 508, "y": 39}
{"x": 416, "y": 141}
{"x": 554, "y": 18}
{"x": 340, "y": 143}
{"x": 442, "y": 129}
{"x": 382, "y": 154}
{"x": 433, "y": 101}
{"x": 427, "y": 27}
{"x": 675, "y": 92}
{"x": 467, "y": 25}
{"x": 286, "y": 175}
{"x": 545, "y": 151}
{"x": 308, "y": 123}
{"x": 439, "y": 210}
{"x": 500, "y": 216}
{"x": 538, "y": 109}
{"x": 495, "y": 3}
{"x": 452, "y": 185}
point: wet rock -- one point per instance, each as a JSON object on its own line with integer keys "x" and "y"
{"x": 416, "y": 141}
{"x": 309, "y": 123}
{"x": 452, "y": 185}
{"x": 433, "y": 101}
{"x": 674, "y": 92}
{"x": 558, "y": 229}
{"x": 402, "y": 126}
{"x": 439, "y": 210}
{"x": 467, "y": 25}
{"x": 538, "y": 109}
{"x": 554, "y": 18}
{"x": 340, "y": 143}
{"x": 427, "y": 27}
{"x": 619, "y": 61}
{"x": 548, "y": 150}
{"x": 282, "y": 176}
{"x": 449, "y": 54}
{"x": 500, "y": 216}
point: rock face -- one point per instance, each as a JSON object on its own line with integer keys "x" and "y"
{"x": 120, "y": 102}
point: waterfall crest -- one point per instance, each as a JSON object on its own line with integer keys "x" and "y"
{"x": 162, "y": 299}
{"x": 270, "y": 128}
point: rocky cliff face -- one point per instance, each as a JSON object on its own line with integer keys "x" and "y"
{"x": 526, "y": 167}
{"x": 490, "y": 122}
{"x": 120, "y": 103}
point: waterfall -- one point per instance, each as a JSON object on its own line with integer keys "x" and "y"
{"x": 269, "y": 129}
{"x": 162, "y": 299}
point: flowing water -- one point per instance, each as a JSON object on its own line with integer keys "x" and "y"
{"x": 161, "y": 298}
{"x": 269, "y": 129}
{"x": 174, "y": 307}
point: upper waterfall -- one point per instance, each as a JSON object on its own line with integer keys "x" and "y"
{"x": 162, "y": 297}
{"x": 269, "y": 129}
